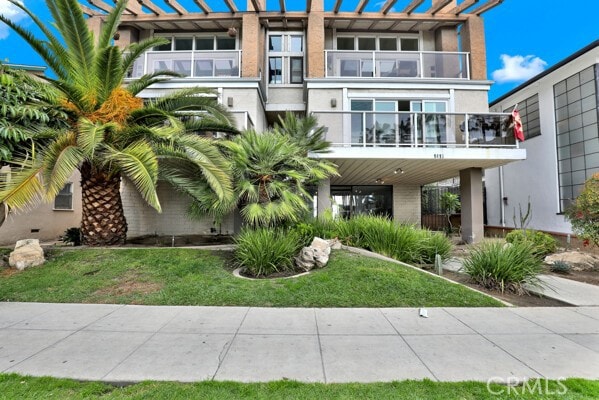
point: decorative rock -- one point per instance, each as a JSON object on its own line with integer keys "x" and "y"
{"x": 316, "y": 255}
{"x": 27, "y": 253}
{"x": 335, "y": 244}
{"x": 579, "y": 261}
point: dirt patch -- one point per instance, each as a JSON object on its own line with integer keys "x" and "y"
{"x": 529, "y": 300}
{"x": 129, "y": 284}
{"x": 6, "y": 272}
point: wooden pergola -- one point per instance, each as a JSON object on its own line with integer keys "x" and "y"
{"x": 145, "y": 14}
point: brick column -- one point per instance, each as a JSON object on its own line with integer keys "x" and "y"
{"x": 473, "y": 41}
{"x": 315, "y": 40}
{"x": 471, "y": 193}
{"x": 251, "y": 42}
{"x": 324, "y": 197}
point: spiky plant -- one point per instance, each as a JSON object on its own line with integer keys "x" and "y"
{"x": 111, "y": 133}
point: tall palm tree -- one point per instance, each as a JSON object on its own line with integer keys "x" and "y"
{"x": 111, "y": 132}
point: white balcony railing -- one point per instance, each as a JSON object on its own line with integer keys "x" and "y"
{"x": 397, "y": 64}
{"x": 416, "y": 129}
{"x": 190, "y": 64}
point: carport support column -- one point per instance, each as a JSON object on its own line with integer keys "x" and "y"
{"x": 324, "y": 197}
{"x": 471, "y": 192}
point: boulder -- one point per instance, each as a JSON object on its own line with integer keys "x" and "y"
{"x": 27, "y": 253}
{"x": 335, "y": 244}
{"x": 315, "y": 255}
{"x": 321, "y": 245}
{"x": 577, "y": 260}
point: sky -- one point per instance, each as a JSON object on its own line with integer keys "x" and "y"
{"x": 523, "y": 37}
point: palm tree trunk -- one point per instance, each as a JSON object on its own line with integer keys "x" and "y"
{"x": 103, "y": 219}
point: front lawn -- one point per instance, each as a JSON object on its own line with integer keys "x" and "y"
{"x": 18, "y": 387}
{"x": 197, "y": 277}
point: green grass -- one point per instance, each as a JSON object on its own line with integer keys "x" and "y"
{"x": 18, "y": 387}
{"x": 196, "y": 277}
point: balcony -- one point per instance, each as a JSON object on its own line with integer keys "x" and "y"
{"x": 397, "y": 64}
{"x": 417, "y": 129}
{"x": 190, "y": 64}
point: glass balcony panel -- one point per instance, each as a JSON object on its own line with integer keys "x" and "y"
{"x": 205, "y": 63}
{"x": 363, "y": 127}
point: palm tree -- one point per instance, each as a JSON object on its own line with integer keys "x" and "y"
{"x": 305, "y": 132}
{"x": 111, "y": 133}
{"x": 271, "y": 173}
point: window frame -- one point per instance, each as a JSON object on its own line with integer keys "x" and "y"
{"x": 378, "y": 37}
{"x": 194, "y": 36}
{"x": 286, "y": 56}
{"x": 68, "y": 194}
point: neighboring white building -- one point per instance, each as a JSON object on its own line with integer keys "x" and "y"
{"x": 559, "y": 110}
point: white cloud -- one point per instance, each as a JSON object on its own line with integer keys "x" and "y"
{"x": 518, "y": 68}
{"x": 13, "y": 13}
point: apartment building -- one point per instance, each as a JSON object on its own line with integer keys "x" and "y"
{"x": 559, "y": 110}
{"x": 402, "y": 92}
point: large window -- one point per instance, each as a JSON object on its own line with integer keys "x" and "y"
{"x": 285, "y": 58}
{"x": 349, "y": 201}
{"x": 529, "y": 113}
{"x": 576, "y": 114}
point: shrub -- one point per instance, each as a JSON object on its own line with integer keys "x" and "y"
{"x": 504, "y": 267}
{"x": 72, "y": 235}
{"x": 432, "y": 243}
{"x": 265, "y": 251}
{"x": 560, "y": 267}
{"x": 584, "y": 213}
{"x": 543, "y": 243}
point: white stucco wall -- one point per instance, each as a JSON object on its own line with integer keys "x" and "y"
{"x": 144, "y": 220}
{"x": 50, "y": 223}
{"x": 537, "y": 176}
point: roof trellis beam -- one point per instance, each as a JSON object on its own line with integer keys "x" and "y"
{"x": 465, "y": 4}
{"x": 151, "y": 6}
{"x": 337, "y": 6}
{"x": 178, "y": 8}
{"x": 203, "y": 6}
{"x": 231, "y": 5}
{"x": 436, "y": 7}
{"x": 101, "y": 5}
{"x": 486, "y": 7}
{"x": 282, "y": 5}
{"x": 412, "y": 6}
{"x": 361, "y": 6}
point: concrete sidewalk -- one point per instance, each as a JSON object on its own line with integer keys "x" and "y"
{"x": 132, "y": 343}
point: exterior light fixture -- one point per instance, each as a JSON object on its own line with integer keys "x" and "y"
{"x": 333, "y": 102}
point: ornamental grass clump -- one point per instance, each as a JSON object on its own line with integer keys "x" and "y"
{"x": 265, "y": 251}
{"x": 511, "y": 267}
{"x": 432, "y": 243}
{"x": 543, "y": 243}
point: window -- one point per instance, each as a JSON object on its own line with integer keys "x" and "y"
{"x": 198, "y": 43}
{"x": 285, "y": 58}
{"x": 577, "y": 131}
{"x": 529, "y": 113}
{"x": 64, "y": 198}
{"x": 377, "y": 43}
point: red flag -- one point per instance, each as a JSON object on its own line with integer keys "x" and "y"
{"x": 518, "y": 131}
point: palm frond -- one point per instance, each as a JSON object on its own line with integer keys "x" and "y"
{"x": 139, "y": 163}
{"x": 39, "y": 46}
{"x": 147, "y": 80}
{"x": 91, "y": 135}
{"x": 24, "y": 188}
{"x": 111, "y": 24}
{"x": 79, "y": 43}
{"x": 135, "y": 50}
{"x": 108, "y": 70}
{"x": 60, "y": 159}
